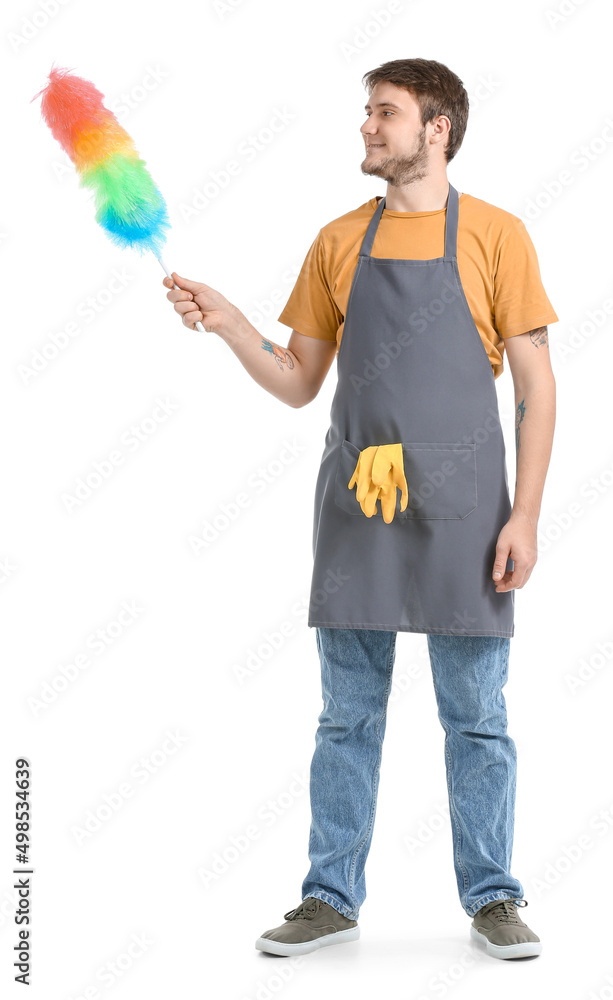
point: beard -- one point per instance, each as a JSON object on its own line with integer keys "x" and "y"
{"x": 399, "y": 170}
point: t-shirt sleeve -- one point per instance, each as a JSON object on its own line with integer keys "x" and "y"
{"x": 520, "y": 302}
{"x": 311, "y": 308}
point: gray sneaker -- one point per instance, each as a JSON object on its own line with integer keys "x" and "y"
{"x": 313, "y": 924}
{"x": 500, "y": 928}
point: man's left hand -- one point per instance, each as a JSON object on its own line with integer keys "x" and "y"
{"x": 517, "y": 540}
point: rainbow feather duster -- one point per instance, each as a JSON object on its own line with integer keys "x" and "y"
{"x": 129, "y": 206}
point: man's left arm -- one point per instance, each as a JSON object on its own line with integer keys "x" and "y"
{"x": 535, "y": 412}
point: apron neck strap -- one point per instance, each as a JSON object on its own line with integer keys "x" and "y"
{"x": 451, "y": 226}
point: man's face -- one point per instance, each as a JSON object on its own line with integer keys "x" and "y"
{"x": 395, "y": 138}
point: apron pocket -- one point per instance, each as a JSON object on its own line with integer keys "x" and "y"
{"x": 442, "y": 480}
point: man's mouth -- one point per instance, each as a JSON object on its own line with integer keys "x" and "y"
{"x": 374, "y": 145}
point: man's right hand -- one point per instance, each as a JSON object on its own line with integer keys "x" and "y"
{"x": 196, "y": 302}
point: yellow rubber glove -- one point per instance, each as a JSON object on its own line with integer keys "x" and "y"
{"x": 366, "y": 492}
{"x": 378, "y": 473}
{"x": 388, "y": 474}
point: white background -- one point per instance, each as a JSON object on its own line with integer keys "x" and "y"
{"x": 192, "y": 83}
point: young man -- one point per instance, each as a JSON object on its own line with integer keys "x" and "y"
{"x": 419, "y": 292}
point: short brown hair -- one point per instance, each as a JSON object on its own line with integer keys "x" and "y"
{"x": 437, "y": 90}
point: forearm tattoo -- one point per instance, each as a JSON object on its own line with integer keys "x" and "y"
{"x": 520, "y": 412}
{"x": 539, "y": 337}
{"x": 281, "y": 357}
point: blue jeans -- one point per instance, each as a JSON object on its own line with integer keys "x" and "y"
{"x": 469, "y": 673}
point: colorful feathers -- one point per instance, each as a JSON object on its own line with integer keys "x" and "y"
{"x": 129, "y": 206}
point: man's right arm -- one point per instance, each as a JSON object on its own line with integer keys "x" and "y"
{"x": 294, "y": 374}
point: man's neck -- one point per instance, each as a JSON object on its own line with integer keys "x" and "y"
{"x": 426, "y": 195}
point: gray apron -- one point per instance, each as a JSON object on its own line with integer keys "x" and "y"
{"x": 412, "y": 369}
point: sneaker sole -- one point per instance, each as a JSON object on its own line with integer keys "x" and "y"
{"x": 302, "y": 947}
{"x": 522, "y": 950}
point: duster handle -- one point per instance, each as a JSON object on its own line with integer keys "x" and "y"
{"x": 198, "y": 325}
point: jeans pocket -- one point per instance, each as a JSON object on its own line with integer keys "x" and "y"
{"x": 442, "y": 480}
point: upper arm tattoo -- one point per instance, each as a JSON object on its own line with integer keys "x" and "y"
{"x": 278, "y": 354}
{"x": 539, "y": 336}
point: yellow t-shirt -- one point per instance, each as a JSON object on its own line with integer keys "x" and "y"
{"x": 496, "y": 259}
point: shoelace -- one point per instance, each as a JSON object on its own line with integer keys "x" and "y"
{"x": 306, "y": 911}
{"x": 505, "y": 911}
